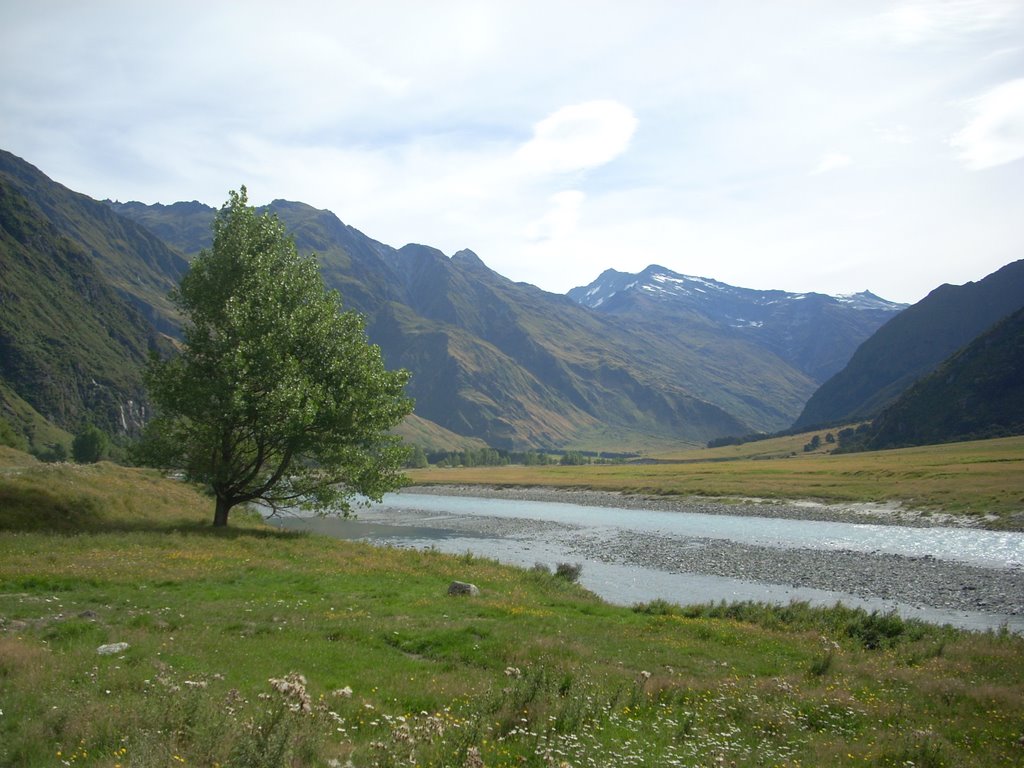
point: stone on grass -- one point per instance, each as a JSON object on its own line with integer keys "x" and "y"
{"x": 463, "y": 588}
{"x": 111, "y": 649}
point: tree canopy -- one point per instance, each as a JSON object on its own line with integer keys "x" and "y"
{"x": 276, "y": 396}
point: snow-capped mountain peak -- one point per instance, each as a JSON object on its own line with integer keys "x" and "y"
{"x": 813, "y": 330}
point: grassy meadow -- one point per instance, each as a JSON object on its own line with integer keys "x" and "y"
{"x": 978, "y": 478}
{"x": 255, "y": 647}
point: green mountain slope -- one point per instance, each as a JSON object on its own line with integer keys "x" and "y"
{"x": 71, "y": 347}
{"x": 350, "y": 261}
{"x": 977, "y": 393}
{"x": 136, "y": 263}
{"x": 585, "y": 368}
{"x": 913, "y": 344}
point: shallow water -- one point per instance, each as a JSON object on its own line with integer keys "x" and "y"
{"x": 527, "y": 532}
{"x": 990, "y": 549}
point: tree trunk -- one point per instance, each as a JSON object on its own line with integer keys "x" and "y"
{"x": 220, "y": 516}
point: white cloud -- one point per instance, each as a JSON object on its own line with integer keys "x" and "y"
{"x": 578, "y": 137}
{"x": 926, "y": 21}
{"x": 995, "y": 134}
{"x": 499, "y": 127}
{"x": 893, "y": 134}
{"x": 831, "y": 161}
{"x": 561, "y": 219}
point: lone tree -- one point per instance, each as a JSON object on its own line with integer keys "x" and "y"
{"x": 277, "y": 395}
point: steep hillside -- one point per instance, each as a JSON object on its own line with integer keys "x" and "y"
{"x": 977, "y": 393}
{"x": 575, "y": 373}
{"x": 185, "y": 225}
{"x": 814, "y": 333}
{"x": 913, "y": 344}
{"x": 136, "y": 263}
{"x": 71, "y": 347}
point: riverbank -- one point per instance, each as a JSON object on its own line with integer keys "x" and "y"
{"x": 917, "y": 581}
{"x": 983, "y": 479}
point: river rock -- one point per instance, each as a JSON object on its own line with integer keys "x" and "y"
{"x": 111, "y": 649}
{"x": 463, "y": 588}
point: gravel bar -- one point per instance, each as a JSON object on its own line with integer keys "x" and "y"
{"x": 918, "y": 581}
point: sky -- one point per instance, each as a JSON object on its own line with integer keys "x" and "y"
{"x": 827, "y": 146}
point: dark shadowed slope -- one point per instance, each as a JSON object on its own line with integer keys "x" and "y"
{"x": 977, "y": 393}
{"x": 913, "y": 344}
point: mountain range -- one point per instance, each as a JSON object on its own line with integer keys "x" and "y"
{"x": 624, "y": 362}
{"x": 814, "y": 333}
{"x": 520, "y": 367}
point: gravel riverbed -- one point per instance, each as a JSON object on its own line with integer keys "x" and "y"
{"x": 917, "y": 581}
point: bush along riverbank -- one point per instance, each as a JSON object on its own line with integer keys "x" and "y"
{"x": 138, "y": 636}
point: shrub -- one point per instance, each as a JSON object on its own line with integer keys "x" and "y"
{"x": 53, "y": 453}
{"x": 89, "y": 446}
{"x": 657, "y": 607}
{"x": 878, "y": 630}
{"x": 569, "y": 571}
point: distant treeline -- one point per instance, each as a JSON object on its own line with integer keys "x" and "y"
{"x": 718, "y": 442}
{"x": 848, "y": 434}
{"x": 496, "y": 457}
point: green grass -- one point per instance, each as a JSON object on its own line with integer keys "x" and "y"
{"x": 535, "y": 671}
{"x": 984, "y": 477}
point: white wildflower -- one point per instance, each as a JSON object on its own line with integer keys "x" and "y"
{"x": 293, "y": 688}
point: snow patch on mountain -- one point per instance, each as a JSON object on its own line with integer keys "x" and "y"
{"x": 661, "y": 283}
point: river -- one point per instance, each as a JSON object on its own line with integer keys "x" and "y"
{"x": 704, "y": 552}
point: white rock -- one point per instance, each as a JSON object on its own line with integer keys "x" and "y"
{"x": 111, "y": 649}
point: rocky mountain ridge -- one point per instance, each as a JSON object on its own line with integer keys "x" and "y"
{"x": 816, "y": 333}
{"x": 559, "y": 393}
